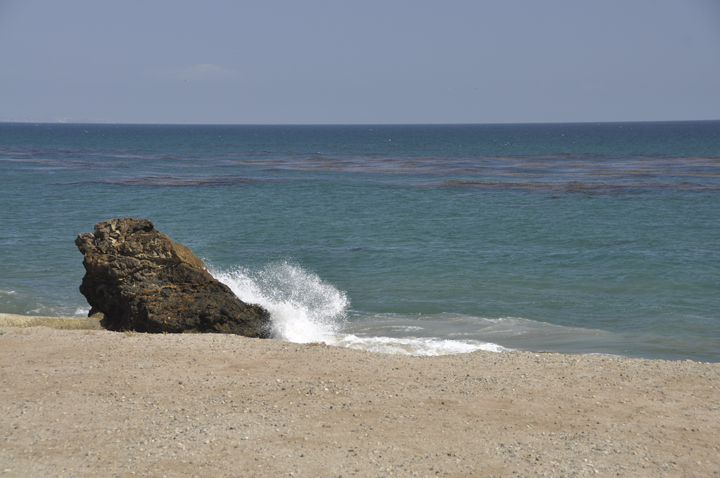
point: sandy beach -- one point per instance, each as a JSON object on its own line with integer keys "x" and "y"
{"x": 99, "y": 403}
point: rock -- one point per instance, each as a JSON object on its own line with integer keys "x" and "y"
{"x": 144, "y": 281}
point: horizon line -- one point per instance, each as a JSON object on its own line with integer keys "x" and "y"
{"x": 94, "y": 122}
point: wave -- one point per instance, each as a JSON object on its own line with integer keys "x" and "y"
{"x": 303, "y": 307}
{"x": 306, "y": 309}
{"x": 413, "y": 345}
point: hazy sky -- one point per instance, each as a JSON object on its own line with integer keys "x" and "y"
{"x": 359, "y": 62}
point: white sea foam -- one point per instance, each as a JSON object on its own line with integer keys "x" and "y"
{"x": 82, "y": 311}
{"x": 303, "y": 308}
{"x": 412, "y": 345}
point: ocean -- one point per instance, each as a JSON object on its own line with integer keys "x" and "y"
{"x": 587, "y": 238}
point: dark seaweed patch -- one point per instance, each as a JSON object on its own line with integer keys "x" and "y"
{"x": 179, "y": 181}
{"x": 579, "y": 187}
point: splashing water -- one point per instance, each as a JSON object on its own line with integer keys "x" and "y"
{"x": 302, "y": 307}
{"x": 305, "y": 309}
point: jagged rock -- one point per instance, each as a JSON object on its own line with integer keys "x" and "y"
{"x": 143, "y": 281}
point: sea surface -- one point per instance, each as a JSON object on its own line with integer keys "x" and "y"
{"x": 590, "y": 238}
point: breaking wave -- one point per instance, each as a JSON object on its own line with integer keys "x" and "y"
{"x": 302, "y": 306}
{"x": 306, "y": 309}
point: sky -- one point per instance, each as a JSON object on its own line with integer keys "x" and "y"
{"x": 364, "y": 62}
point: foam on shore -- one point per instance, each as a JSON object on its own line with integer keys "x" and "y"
{"x": 306, "y": 309}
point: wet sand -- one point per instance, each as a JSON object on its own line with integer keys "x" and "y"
{"x": 99, "y": 403}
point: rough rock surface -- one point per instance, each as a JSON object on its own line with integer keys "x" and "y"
{"x": 143, "y": 281}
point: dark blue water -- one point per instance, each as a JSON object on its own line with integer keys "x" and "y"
{"x": 583, "y": 238}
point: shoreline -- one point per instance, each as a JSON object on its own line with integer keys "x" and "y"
{"x": 94, "y": 402}
{"x": 391, "y": 347}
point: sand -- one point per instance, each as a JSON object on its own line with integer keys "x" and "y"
{"x": 99, "y": 403}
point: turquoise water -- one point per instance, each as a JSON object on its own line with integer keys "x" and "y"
{"x": 580, "y": 238}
